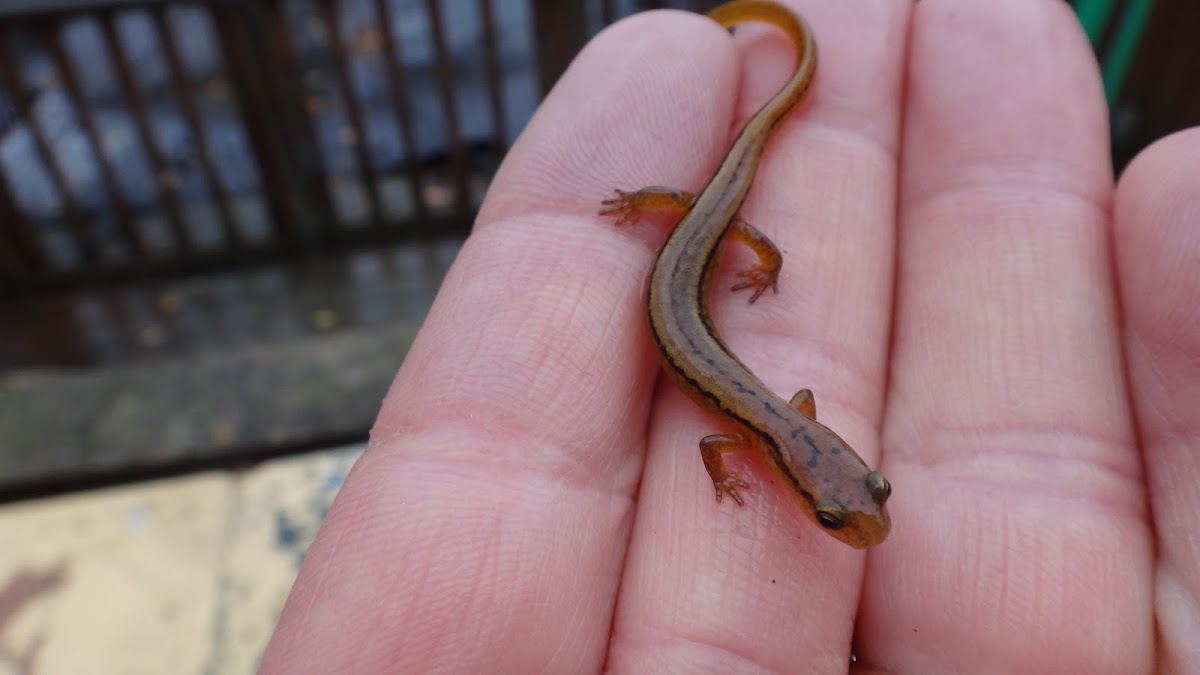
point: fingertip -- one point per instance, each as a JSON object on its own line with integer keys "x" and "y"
{"x": 1157, "y": 249}
{"x": 1155, "y": 216}
{"x": 644, "y": 102}
{"x": 1162, "y": 177}
{"x": 984, "y": 102}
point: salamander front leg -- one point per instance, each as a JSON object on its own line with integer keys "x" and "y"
{"x": 629, "y": 206}
{"x": 765, "y": 274}
{"x": 711, "y": 450}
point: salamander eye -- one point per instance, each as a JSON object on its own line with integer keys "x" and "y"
{"x": 831, "y": 515}
{"x": 878, "y": 486}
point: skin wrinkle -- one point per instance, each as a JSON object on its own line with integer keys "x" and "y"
{"x": 1037, "y": 190}
{"x": 834, "y": 122}
{"x": 1031, "y": 302}
{"x": 481, "y": 574}
{"x": 1176, "y": 339}
{"x": 841, "y": 142}
{"x": 554, "y": 364}
{"x": 354, "y": 533}
{"x": 1054, "y": 449}
{"x": 568, "y": 368}
{"x": 700, "y": 654}
{"x": 1138, "y": 351}
{"x": 825, "y": 362}
{"x": 551, "y": 460}
{"x": 324, "y": 576}
{"x": 845, "y": 211}
{"x": 469, "y": 389}
{"x": 795, "y": 287}
{"x": 529, "y": 568}
{"x": 740, "y": 546}
{"x": 713, "y": 655}
{"x": 829, "y": 364}
{"x": 992, "y": 578}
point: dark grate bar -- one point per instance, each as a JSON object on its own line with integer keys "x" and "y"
{"x": 445, "y": 77}
{"x": 84, "y": 240}
{"x": 126, "y": 221}
{"x": 561, "y": 29}
{"x": 19, "y": 253}
{"x": 133, "y": 93}
{"x": 254, "y": 95}
{"x": 181, "y": 90}
{"x": 608, "y": 12}
{"x": 287, "y": 97}
{"x": 491, "y": 56}
{"x": 353, "y": 108}
{"x": 398, "y": 93}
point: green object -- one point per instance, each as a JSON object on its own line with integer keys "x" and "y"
{"x": 1094, "y": 15}
{"x": 1115, "y": 61}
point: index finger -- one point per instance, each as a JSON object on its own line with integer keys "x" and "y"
{"x": 486, "y": 525}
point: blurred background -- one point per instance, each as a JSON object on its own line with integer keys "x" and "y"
{"x": 221, "y": 223}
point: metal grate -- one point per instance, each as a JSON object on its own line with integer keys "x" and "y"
{"x": 144, "y": 138}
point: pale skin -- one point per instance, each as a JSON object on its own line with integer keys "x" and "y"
{"x": 1008, "y": 337}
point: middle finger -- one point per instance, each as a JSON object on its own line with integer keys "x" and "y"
{"x": 716, "y": 586}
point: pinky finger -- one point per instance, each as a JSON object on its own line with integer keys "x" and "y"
{"x": 1157, "y": 244}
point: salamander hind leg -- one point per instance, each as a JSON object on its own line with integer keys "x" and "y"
{"x": 804, "y": 403}
{"x": 765, "y": 274}
{"x": 711, "y": 450}
{"x": 629, "y": 206}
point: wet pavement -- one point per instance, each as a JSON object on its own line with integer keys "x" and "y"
{"x": 206, "y": 372}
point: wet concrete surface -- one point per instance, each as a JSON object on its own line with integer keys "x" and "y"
{"x": 191, "y": 374}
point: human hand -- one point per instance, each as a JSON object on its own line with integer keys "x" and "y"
{"x": 973, "y": 313}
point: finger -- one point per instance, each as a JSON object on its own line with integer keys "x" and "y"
{"x": 1021, "y": 537}
{"x": 486, "y": 526}
{"x": 718, "y": 587}
{"x": 1158, "y": 255}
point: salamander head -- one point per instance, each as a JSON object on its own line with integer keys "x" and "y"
{"x": 858, "y": 517}
{"x": 841, "y": 494}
